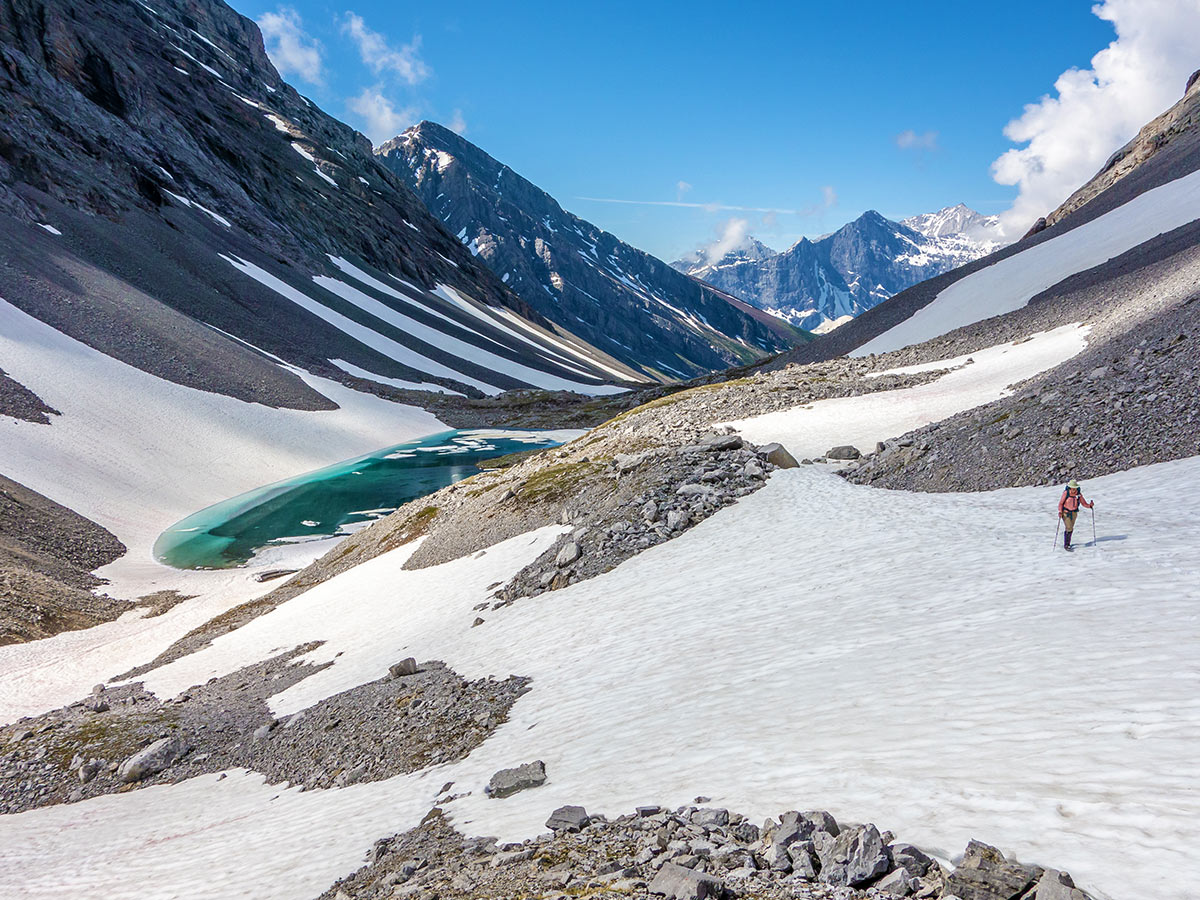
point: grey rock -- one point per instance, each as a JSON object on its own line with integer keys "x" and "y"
{"x": 820, "y": 820}
{"x": 676, "y": 882}
{"x": 897, "y": 883}
{"x": 804, "y": 863}
{"x": 753, "y": 470}
{"x": 984, "y": 874}
{"x": 856, "y": 856}
{"x": 678, "y": 519}
{"x": 1056, "y": 885}
{"x": 403, "y": 668}
{"x": 778, "y": 455}
{"x": 710, "y": 818}
{"x": 568, "y": 818}
{"x": 507, "y": 782}
{"x": 567, "y": 555}
{"x": 915, "y": 862}
{"x": 845, "y": 451}
{"x": 722, "y": 442}
{"x": 151, "y": 760}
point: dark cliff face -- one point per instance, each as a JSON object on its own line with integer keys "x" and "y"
{"x": 159, "y": 139}
{"x": 630, "y": 304}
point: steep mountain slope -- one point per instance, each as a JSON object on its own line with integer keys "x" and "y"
{"x": 168, "y": 199}
{"x": 1176, "y": 129}
{"x": 1130, "y": 224}
{"x": 621, "y": 299}
{"x": 823, "y": 283}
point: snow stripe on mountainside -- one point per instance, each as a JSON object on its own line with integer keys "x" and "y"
{"x": 861, "y": 421}
{"x": 1054, "y": 714}
{"x": 361, "y": 333}
{"x": 572, "y": 272}
{"x": 136, "y": 453}
{"x": 1010, "y": 283}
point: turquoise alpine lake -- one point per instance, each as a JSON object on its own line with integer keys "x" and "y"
{"x": 334, "y": 500}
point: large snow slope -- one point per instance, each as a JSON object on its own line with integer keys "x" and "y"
{"x": 926, "y": 662}
{"x": 1010, "y": 283}
{"x": 136, "y": 453}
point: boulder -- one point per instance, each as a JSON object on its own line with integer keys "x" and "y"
{"x": 678, "y": 519}
{"x": 721, "y": 442}
{"x": 856, "y": 856}
{"x": 897, "y": 883}
{"x": 1056, "y": 885}
{"x": 820, "y": 820}
{"x": 910, "y": 859}
{"x": 402, "y": 668}
{"x": 568, "y": 818}
{"x": 711, "y": 818}
{"x": 152, "y": 760}
{"x": 567, "y": 555}
{"x": 845, "y": 451}
{"x": 984, "y": 874}
{"x": 507, "y": 782}
{"x": 778, "y": 455}
{"x": 679, "y": 883}
{"x": 804, "y": 863}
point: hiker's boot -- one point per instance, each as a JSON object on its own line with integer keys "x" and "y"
{"x": 1066, "y": 540}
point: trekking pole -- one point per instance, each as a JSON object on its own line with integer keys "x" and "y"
{"x": 1093, "y": 527}
{"x": 1056, "y": 527}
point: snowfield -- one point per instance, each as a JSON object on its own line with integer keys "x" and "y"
{"x": 1011, "y": 283}
{"x": 810, "y": 431}
{"x": 958, "y": 679}
{"x": 136, "y": 454}
{"x": 927, "y": 662}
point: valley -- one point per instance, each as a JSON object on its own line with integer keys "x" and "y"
{"x": 371, "y": 526}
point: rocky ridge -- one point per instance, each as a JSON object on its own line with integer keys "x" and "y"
{"x": 689, "y": 853}
{"x": 1129, "y": 399}
{"x": 122, "y": 737}
{"x": 662, "y": 323}
{"x": 817, "y": 283}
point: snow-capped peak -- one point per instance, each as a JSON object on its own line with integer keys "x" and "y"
{"x": 958, "y": 221}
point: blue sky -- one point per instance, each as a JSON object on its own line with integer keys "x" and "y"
{"x": 820, "y": 111}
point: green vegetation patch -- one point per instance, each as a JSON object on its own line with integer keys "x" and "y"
{"x": 559, "y": 481}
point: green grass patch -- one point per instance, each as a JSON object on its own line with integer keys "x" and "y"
{"x": 557, "y": 482}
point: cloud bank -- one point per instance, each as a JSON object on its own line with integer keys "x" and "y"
{"x": 1095, "y": 111}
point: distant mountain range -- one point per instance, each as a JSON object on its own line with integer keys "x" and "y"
{"x": 819, "y": 285}
{"x": 658, "y": 321}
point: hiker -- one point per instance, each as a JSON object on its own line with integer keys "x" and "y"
{"x": 1068, "y": 509}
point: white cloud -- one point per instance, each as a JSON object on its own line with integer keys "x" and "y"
{"x": 828, "y": 199}
{"x": 732, "y": 234}
{"x": 381, "y": 120}
{"x": 681, "y": 190}
{"x": 1095, "y": 111}
{"x": 910, "y": 140}
{"x": 380, "y": 56}
{"x": 292, "y": 51}
{"x": 457, "y": 123}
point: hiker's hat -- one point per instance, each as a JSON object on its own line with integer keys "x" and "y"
{"x": 1072, "y": 483}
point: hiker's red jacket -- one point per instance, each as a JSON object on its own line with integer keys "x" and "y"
{"x": 1072, "y": 504}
